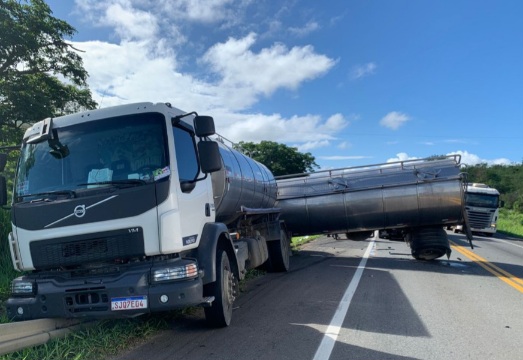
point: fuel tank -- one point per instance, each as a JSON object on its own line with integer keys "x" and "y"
{"x": 402, "y": 194}
{"x": 242, "y": 181}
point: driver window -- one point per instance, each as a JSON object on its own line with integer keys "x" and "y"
{"x": 185, "y": 154}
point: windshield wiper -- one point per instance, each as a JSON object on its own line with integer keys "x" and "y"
{"x": 71, "y": 194}
{"x": 118, "y": 183}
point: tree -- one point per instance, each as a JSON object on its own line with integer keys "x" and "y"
{"x": 41, "y": 74}
{"x": 279, "y": 158}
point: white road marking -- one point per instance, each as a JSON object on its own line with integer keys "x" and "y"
{"x": 507, "y": 242}
{"x": 331, "y": 334}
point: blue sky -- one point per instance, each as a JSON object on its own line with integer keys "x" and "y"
{"x": 352, "y": 82}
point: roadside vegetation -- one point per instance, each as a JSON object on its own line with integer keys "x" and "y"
{"x": 297, "y": 241}
{"x": 7, "y": 272}
{"x": 105, "y": 339}
{"x": 510, "y": 222}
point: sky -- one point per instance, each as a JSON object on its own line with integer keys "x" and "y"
{"x": 352, "y": 82}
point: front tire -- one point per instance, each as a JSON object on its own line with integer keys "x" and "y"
{"x": 219, "y": 314}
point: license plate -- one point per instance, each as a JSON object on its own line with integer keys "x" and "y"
{"x": 129, "y": 303}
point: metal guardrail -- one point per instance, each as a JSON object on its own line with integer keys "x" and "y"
{"x": 20, "y": 335}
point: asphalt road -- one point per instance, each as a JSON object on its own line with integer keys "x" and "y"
{"x": 367, "y": 300}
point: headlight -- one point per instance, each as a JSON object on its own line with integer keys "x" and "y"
{"x": 176, "y": 272}
{"x": 23, "y": 288}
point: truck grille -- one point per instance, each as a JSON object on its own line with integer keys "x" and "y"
{"x": 479, "y": 220}
{"x": 84, "y": 249}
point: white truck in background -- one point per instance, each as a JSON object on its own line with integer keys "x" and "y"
{"x": 481, "y": 208}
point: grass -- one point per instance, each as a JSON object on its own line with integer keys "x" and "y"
{"x": 510, "y": 222}
{"x": 297, "y": 241}
{"x": 104, "y": 340}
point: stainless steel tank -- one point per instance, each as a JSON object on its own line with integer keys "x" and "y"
{"x": 242, "y": 181}
{"x": 393, "y": 195}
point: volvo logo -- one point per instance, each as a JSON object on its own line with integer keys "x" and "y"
{"x": 79, "y": 211}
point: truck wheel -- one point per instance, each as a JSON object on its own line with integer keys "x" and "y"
{"x": 279, "y": 253}
{"x": 219, "y": 314}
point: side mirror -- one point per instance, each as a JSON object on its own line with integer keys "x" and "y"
{"x": 204, "y": 126}
{"x": 210, "y": 159}
{"x": 3, "y": 161}
{"x": 3, "y": 191}
{"x": 501, "y": 203}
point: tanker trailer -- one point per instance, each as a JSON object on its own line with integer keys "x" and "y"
{"x": 419, "y": 197}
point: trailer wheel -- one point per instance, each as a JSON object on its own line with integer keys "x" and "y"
{"x": 279, "y": 253}
{"x": 219, "y": 314}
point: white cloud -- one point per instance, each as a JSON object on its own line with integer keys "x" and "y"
{"x": 131, "y": 23}
{"x": 402, "y": 157}
{"x": 202, "y": 11}
{"x": 305, "y": 147}
{"x": 129, "y": 72}
{"x": 207, "y": 11}
{"x": 466, "y": 158}
{"x": 257, "y": 127}
{"x": 344, "y": 145}
{"x": 311, "y": 26}
{"x": 472, "y": 159}
{"x": 360, "y": 71}
{"x": 335, "y": 123}
{"x": 394, "y": 120}
{"x": 244, "y": 74}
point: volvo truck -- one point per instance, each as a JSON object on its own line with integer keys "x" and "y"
{"x": 133, "y": 209}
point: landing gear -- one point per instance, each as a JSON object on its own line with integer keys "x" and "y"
{"x": 224, "y": 290}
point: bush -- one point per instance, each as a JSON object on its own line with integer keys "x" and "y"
{"x": 7, "y": 273}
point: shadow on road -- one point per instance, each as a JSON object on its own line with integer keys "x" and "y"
{"x": 285, "y": 316}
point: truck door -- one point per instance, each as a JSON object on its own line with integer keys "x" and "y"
{"x": 194, "y": 197}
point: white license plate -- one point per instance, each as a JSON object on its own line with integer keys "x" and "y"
{"x": 129, "y": 303}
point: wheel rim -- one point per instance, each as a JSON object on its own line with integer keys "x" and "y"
{"x": 228, "y": 288}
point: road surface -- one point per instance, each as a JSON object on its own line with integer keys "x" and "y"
{"x": 367, "y": 300}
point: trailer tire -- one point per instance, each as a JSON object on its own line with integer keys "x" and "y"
{"x": 279, "y": 253}
{"x": 219, "y": 314}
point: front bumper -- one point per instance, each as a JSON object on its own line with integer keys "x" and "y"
{"x": 91, "y": 296}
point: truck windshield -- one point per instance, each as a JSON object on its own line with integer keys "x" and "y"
{"x": 482, "y": 200}
{"x": 121, "y": 151}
